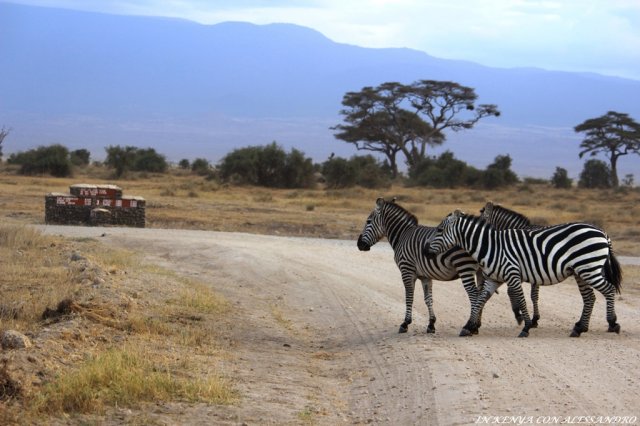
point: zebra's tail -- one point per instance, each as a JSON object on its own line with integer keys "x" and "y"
{"x": 612, "y": 270}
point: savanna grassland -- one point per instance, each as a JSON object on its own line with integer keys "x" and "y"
{"x": 111, "y": 330}
{"x": 186, "y": 201}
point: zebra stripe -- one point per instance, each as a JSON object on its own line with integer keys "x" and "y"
{"x": 542, "y": 256}
{"x": 502, "y": 218}
{"x": 409, "y": 241}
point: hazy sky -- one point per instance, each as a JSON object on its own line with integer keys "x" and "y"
{"x": 575, "y": 35}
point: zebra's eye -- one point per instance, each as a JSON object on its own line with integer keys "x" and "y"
{"x": 368, "y": 221}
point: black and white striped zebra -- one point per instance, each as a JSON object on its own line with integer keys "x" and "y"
{"x": 503, "y": 218}
{"x": 544, "y": 256}
{"x": 409, "y": 241}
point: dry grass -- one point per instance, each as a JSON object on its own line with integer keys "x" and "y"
{"x": 109, "y": 340}
{"x": 125, "y": 377}
{"x": 120, "y": 344}
{"x": 171, "y": 203}
{"x": 34, "y": 276}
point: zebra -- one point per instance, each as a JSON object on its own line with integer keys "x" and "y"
{"x": 502, "y": 218}
{"x": 408, "y": 240}
{"x": 543, "y": 256}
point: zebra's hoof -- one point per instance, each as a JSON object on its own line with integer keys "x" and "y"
{"x": 534, "y": 324}
{"x": 465, "y": 333}
{"x": 614, "y": 328}
{"x": 574, "y": 333}
{"x": 431, "y": 329}
{"x": 403, "y": 328}
{"x": 523, "y": 334}
{"x": 519, "y": 319}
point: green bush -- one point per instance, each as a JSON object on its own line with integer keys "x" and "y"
{"x": 339, "y": 172}
{"x": 148, "y": 160}
{"x": 132, "y": 158}
{"x": 53, "y": 160}
{"x": 268, "y": 166}
{"x": 298, "y": 170}
{"x": 443, "y": 172}
{"x": 499, "y": 174}
{"x": 446, "y": 171}
{"x": 560, "y": 178}
{"x": 80, "y": 157}
{"x": 595, "y": 174}
{"x": 201, "y": 166}
{"x": 184, "y": 164}
{"x": 362, "y": 170}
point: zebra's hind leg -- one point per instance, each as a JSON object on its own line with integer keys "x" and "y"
{"x": 614, "y": 327}
{"x": 535, "y": 292}
{"x": 428, "y": 299}
{"x": 588, "y": 299}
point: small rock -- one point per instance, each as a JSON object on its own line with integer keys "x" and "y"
{"x": 495, "y": 376}
{"x": 76, "y": 257}
{"x": 12, "y": 339}
{"x": 286, "y": 345}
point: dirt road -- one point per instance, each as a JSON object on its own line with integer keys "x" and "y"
{"x": 315, "y": 332}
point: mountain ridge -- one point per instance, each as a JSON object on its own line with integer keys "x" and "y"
{"x": 146, "y": 81}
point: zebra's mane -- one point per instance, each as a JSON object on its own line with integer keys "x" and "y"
{"x": 475, "y": 218}
{"x": 405, "y": 212}
{"x": 498, "y": 207}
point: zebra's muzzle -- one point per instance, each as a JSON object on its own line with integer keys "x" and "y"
{"x": 362, "y": 246}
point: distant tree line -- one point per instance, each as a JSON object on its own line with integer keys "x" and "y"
{"x": 271, "y": 166}
{"x": 392, "y": 120}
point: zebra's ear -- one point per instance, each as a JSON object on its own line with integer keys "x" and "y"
{"x": 394, "y": 200}
{"x": 486, "y": 210}
{"x": 457, "y": 213}
{"x": 379, "y": 201}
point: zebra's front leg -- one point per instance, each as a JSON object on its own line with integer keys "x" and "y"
{"x": 489, "y": 287}
{"x": 428, "y": 299}
{"x": 517, "y": 298}
{"x": 469, "y": 283}
{"x": 535, "y": 292}
{"x": 515, "y": 305}
{"x": 409, "y": 281}
{"x": 588, "y": 300}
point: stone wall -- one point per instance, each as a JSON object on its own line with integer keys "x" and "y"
{"x": 94, "y": 205}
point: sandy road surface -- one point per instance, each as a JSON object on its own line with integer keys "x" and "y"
{"x": 315, "y": 326}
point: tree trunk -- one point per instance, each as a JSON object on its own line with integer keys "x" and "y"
{"x": 614, "y": 170}
{"x": 393, "y": 165}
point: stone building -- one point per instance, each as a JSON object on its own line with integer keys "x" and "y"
{"x": 94, "y": 205}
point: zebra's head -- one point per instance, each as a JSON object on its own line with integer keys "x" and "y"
{"x": 487, "y": 211}
{"x": 444, "y": 239}
{"x": 374, "y": 227}
{"x": 503, "y": 218}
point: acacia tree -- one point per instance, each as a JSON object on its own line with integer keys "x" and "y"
{"x": 394, "y": 118}
{"x": 614, "y": 134}
{"x": 376, "y": 121}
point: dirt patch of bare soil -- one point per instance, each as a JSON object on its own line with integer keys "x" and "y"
{"x": 313, "y": 339}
